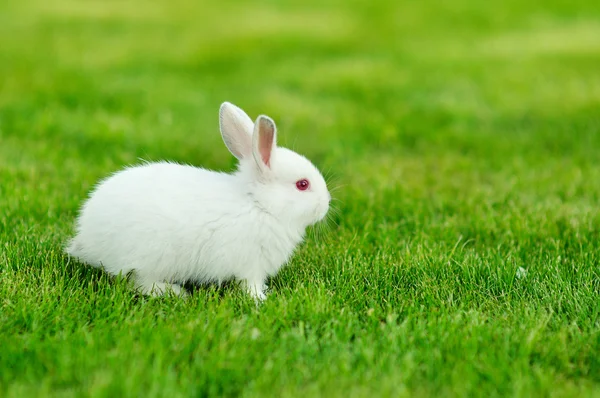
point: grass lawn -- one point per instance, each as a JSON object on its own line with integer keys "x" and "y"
{"x": 464, "y": 141}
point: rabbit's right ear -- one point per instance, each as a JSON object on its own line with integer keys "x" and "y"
{"x": 265, "y": 141}
{"x": 236, "y": 130}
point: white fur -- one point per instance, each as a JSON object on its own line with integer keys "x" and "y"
{"x": 171, "y": 223}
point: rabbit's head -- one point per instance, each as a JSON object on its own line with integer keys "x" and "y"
{"x": 279, "y": 181}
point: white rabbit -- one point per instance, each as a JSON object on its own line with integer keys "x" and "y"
{"x": 170, "y": 223}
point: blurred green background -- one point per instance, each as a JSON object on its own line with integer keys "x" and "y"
{"x": 463, "y": 141}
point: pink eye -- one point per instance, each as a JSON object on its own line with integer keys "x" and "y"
{"x": 302, "y": 184}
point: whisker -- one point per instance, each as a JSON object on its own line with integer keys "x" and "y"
{"x": 333, "y": 182}
{"x": 337, "y": 187}
{"x": 333, "y": 221}
{"x": 330, "y": 177}
{"x": 334, "y": 217}
{"x": 337, "y": 200}
{"x": 334, "y": 211}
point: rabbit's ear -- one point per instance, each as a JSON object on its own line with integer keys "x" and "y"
{"x": 264, "y": 141}
{"x": 236, "y": 130}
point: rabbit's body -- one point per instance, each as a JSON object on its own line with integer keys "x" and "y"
{"x": 225, "y": 231}
{"x": 170, "y": 223}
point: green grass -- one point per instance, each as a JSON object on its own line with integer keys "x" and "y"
{"x": 465, "y": 141}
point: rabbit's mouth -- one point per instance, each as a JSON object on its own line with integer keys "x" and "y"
{"x": 321, "y": 212}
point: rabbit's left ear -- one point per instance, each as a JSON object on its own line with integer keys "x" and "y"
{"x": 264, "y": 141}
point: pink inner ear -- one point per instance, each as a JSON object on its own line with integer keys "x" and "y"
{"x": 266, "y": 131}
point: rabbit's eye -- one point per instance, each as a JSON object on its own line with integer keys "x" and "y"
{"x": 302, "y": 184}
